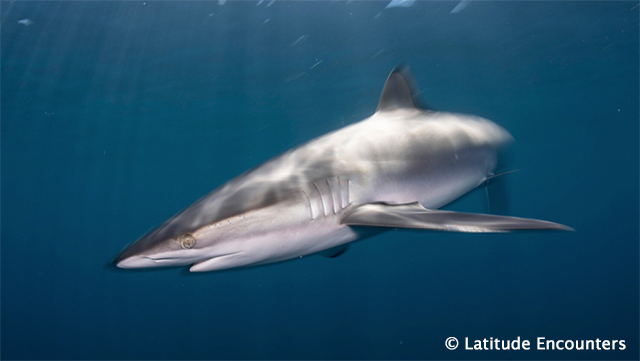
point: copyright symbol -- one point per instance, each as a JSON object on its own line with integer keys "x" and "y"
{"x": 451, "y": 343}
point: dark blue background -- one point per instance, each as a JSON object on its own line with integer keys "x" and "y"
{"x": 115, "y": 115}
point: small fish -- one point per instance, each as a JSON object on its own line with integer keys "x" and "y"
{"x": 295, "y": 76}
{"x": 461, "y": 6}
{"x": 316, "y": 64}
{"x": 300, "y": 40}
{"x": 25, "y": 22}
{"x": 400, "y": 4}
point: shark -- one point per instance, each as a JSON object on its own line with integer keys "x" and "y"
{"x": 394, "y": 169}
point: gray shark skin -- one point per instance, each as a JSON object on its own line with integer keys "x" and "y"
{"x": 393, "y": 169}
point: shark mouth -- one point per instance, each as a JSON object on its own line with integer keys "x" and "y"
{"x": 215, "y": 263}
{"x": 160, "y": 260}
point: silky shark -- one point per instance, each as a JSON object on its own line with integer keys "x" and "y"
{"x": 391, "y": 170}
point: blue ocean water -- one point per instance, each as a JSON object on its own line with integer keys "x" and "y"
{"x": 116, "y": 115}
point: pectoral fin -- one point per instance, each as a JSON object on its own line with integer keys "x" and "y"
{"x": 414, "y": 215}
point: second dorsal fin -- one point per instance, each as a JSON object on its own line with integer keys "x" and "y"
{"x": 399, "y": 92}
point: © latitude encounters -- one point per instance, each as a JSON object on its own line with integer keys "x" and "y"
{"x": 544, "y": 344}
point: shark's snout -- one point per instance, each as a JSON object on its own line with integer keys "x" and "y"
{"x": 131, "y": 256}
{"x": 148, "y": 252}
{"x": 137, "y": 262}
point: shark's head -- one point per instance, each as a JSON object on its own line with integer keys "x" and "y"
{"x": 159, "y": 248}
{"x": 198, "y": 249}
{"x": 185, "y": 239}
{"x": 215, "y": 232}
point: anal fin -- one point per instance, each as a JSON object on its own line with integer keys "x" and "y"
{"x": 414, "y": 215}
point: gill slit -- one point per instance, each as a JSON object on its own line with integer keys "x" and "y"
{"x": 341, "y": 206}
{"x": 333, "y": 199}
{"x": 324, "y": 209}
{"x": 308, "y": 200}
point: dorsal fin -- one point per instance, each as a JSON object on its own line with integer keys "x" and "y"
{"x": 399, "y": 92}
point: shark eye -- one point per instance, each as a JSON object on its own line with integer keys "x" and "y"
{"x": 187, "y": 241}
